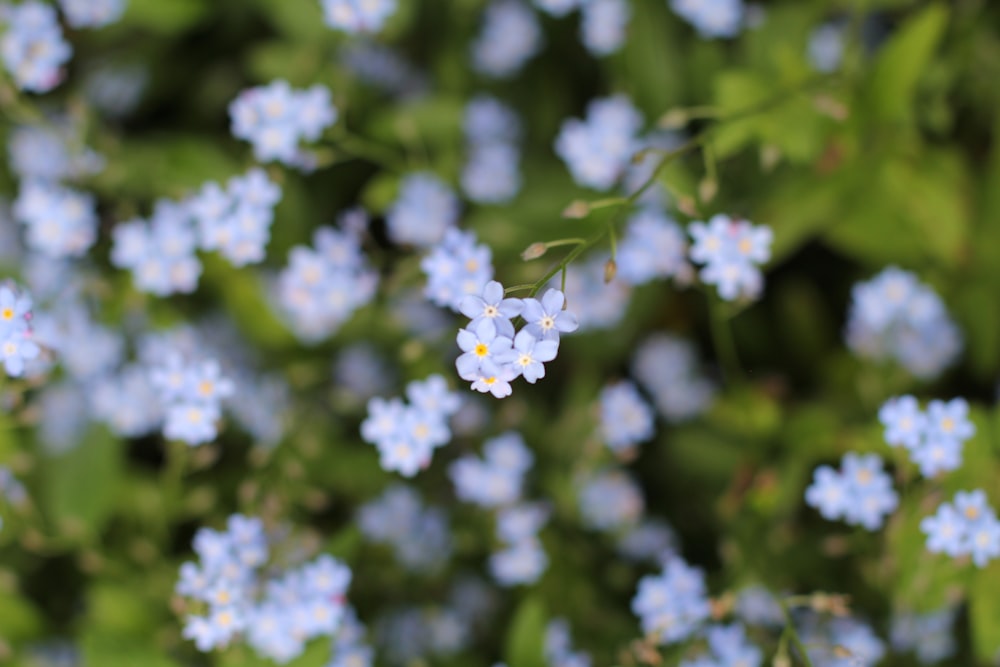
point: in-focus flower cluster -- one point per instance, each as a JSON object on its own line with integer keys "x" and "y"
{"x": 492, "y": 130}
{"x": 968, "y": 526}
{"x": 522, "y": 560}
{"x": 509, "y": 37}
{"x": 406, "y": 435}
{"x": 276, "y": 118}
{"x": 322, "y": 286}
{"x": 860, "y": 493}
{"x": 731, "y": 251}
{"x": 712, "y": 18}
{"x": 933, "y": 438}
{"x": 358, "y": 16}
{"x": 895, "y": 317}
{"x": 493, "y": 355}
{"x": 599, "y": 149}
{"x": 242, "y": 595}
{"x": 17, "y": 344}
{"x": 419, "y": 535}
{"x": 236, "y": 221}
{"x": 673, "y": 604}
{"x": 626, "y": 419}
{"x": 456, "y": 268}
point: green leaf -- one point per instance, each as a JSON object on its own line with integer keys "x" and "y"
{"x": 984, "y": 610}
{"x": 99, "y": 651}
{"x": 164, "y": 17}
{"x": 525, "y": 643}
{"x": 903, "y": 61}
{"x": 19, "y": 619}
{"x": 81, "y": 485}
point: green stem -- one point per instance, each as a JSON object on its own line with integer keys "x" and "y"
{"x": 793, "y": 635}
{"x": 722, "y": 339}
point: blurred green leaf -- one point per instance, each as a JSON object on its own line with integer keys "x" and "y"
{"x": 903, "y": 60}
{"x": 19, "y": 619}
{"x": 525, "y": 643}
{"x": 164, "y": 17}
{"x": 81, "y": 485}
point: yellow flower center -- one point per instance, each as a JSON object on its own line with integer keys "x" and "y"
{"x": 482, "y": 349}
{"x": 7, "y": 313}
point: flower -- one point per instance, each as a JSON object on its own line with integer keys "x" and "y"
{"x": 424, "y": 210}
{"x": 860, "y": 494}
{"x": 968, "y": 526}
{"x": 509, "y": 37}
{"x": 934, "y": 439}
{"x": 731, "y": 250}
{"x": 546, "y": 319}
{"x": 32, "y": 46}
{"x": 674, "y": 604}
{"x": 357, "y": 16}
{"x": 626, "y": 419}
{"x": 599, "y": 149}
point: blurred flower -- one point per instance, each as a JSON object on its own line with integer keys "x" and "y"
{"x": 711, "y": 18}
{"x": 894, "y": 316}
{"x": 610, "y": 500}
{"x": 419, "y": 535}
{"x": 92, "y": 13}
{"x": 626, "y": 419}
{"x": 275, "y": 119}
{"x": 456, "y": 268}
{"x": 826, "y": 47}
{"x": 860, "y": 494}
{"x": 509, "y": 37}
{"x": 423, "y": 212}
{"x": 968, "y": 526}
{"x": 32, "y": 45}
{"x": 672, "y": 605}
{"x": 236, "y": 221}
{"x": 160, "y": 252}
{"x": 60, "y": 221}
{"x": 358, "y": 16}
{"x": 603, "y": 25}
{"x": 666, "y": 367}
{"x": 599, "y": 149}
{"x": 731, "y": 250}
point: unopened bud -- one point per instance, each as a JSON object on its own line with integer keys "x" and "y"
{"x": 782, "y": 660}
{"x": 687, "y": 206}
{"x": 534, "y": 251}
{"x": 610, "y": 271}
{"x": 673, "y": 119}
{"x": 770, "y": 155}
{"x": 576, "y": 210}
{"x": 707, "y": 189}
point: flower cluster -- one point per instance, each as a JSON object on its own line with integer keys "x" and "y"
{"x": 275, "y": 612}
{"x": 509, "y": 37}
{"x": 626, "y": 419}
{"x": 860, "y": 494}
{"x": 966, "y": 527}
{"x": 491, "y": 172}
{"x": 841, "y": 642}
{"x": 236, "y": 220}
{"x": 666, "y": 367}
{"x": 496, "y": 479}
{"x": 712, "y": 18}
{"x": 602, "y": 22}
{"x": 32, "y": 45}
{"x": 191, "y": 392}
{"x": 17, "y": 345}
{"x": 672, "y": 605}
{"x": 51, "y": 152}
{"x": 558, "y": 646}
{"x": 92, "y": 13}
{"x": 161, "y": 253}
{"x": 599, "y": 149}
{"x": 610, "y": 500}
{"x": 349, "y": 647}
{"x": 419, "y": 535}
{"x": 322, "y": 287}
{"x": 423, "y": 212}
{"x": 731, "y": 251}
{"x": 934, "y": 438}
{"x": 523, "y": 560}
{"x": 358, "y": 16}
{"x": 276, "y": 118}
{"x": 653, "y": 247}
{"x": 894, "y": 316}
{"x": 650, "y": 540}
{"x": 493, "y": 355}
{"x": 407, "y": 435}
{"x": 728, "y": 646}
{"x": 930, "y": 636}
{"x": 60, "y": 221}
{"x": 456, "y": 268}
